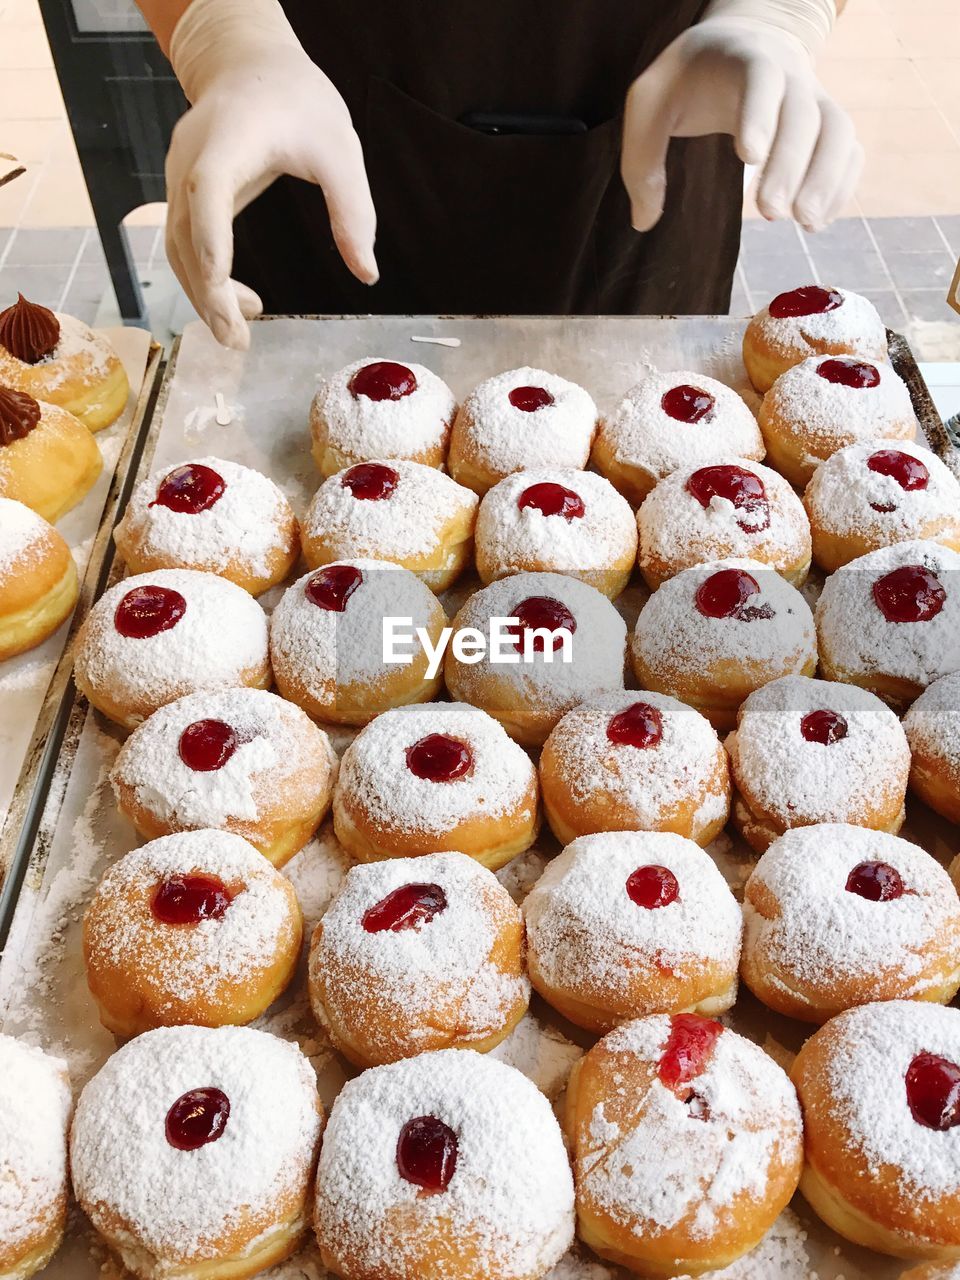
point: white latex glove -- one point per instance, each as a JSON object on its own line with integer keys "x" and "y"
{"x": 751, "y": 78}
{"x": 261, "y": 108}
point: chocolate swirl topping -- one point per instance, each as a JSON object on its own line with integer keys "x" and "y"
{"x": 19, "y": 414}
{"x": 28, "y": 331}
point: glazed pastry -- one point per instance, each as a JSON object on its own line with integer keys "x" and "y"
{"x": 933, "y": 731}
{"x": 635, "y": 762}
{"x": 238, "y": 760}
{"x": 192, "y": 928}
{"x": 528, "y": 697}
{"x": 878, "y": 492}
{"x": 158, "y": 636}
{"x": 434, "y": 779}
{"x": 555, "y": 521}
{"x": 416, "y": 954}
{"x": 49, "y": 461}
{"x": 687, "y": 1143}
{"x": 628, "y": 923}
{"x": 808, "y": 751}
{"x": 447, "y": 1164}
{"x": 212, "y": 515}
{"x": 838, "y": 916}
{"x": 725, "y": 510}
{"x": 376, "y": 408}
{"x": 828, "y": 402}
{"x": 327, "y": 640}
{"x": 881, "y": 1109}
{"x": 35, "y": 1105}
{"x": 405, "y": 512}
{"x": 670, "y": 421}
{"x": 60, "y": 361}
{"x": 714, "y": 633}
{"x": 520, "y": 420}
{"x": 890, "y": 621}
{"x": 810, "y": 321}
{"x": 192, "y": 1152}
{"x": 38, "y": 579}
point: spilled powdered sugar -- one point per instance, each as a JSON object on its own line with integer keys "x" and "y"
{"x": 363, "y": 428}
{"x": 855, "y": 326}
{"x": 505, "y": 439}
{"x": 933, "y": 722}
{"x": 23, "y": 536}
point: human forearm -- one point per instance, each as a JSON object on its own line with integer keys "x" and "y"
{"x": 162, "y": 16}
{"x": 811, "y": 21}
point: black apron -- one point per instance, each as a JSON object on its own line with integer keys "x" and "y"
{"x": 469, "y": 223}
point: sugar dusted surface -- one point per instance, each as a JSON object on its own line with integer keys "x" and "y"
{"x": 853, "y": 326}
{"x": 506, "y": 439}
{"x": 365, "y": 428}
{"x": 808, "y": 407}
{"x": 933, "y": 722}
{"x": 24, "y": 537}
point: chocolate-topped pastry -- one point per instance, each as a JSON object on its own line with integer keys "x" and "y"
{"x": 48, "y": 459}
{"x": 28, "y": 331}
{"x": 19, "y": 414}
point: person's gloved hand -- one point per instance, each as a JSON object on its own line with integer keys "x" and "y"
{"x": 261, "y": 108}
{"x": 754, "y": 80}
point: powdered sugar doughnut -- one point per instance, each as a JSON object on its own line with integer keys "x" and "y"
{"x": 192, "y": 928}
{"x": 38, "y": 579}
{"x": 810, "y": 321}
{"x": 628, "y": 923}
{"x": 158, "y": 636}
{"x": 416, "y": 954}
{"x": 686, "y": 1141}
{"x": 731, "y": 508}
{"x": 446, "y": 1160}
{"x": 668, "y": 421}
{"x": 529, "y": 697}
{"x": 214, "y": 515}
{"x": 827, "y": 402}
{"x": 890, "y": 621}
{"x": 238, "y": 760}
{"x": 49, "y": 461}
{"x": 376, "y": 408}
{"x": 555, "y": 521}
{"x": 434, "y": 779}
{"x": 35, "y": 1105}
{"x": 716, "y": 632}
{"x": 327, "y": 640}
{"x": 878, "y": 492}
{"x": 808, "y": 751}
{"x": 517, "y": 421}
{"x": 933, "y": 1271}
{"x": 401, "y": 511}
{"x": 192, "y": 1151}
{"x": 933, "y": 731}
{"x": 635, "y": 762}
{"x": 878, "y": 1085}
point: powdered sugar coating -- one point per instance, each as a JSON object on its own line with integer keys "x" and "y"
{"x": 362, "y": 429}
{"x": 582, "y": 924}
{"x": 511, "y": 539}
{"x": 511, "y": 1194}
{"x": 250, "y": 523}
{"x": 80, "y": 354}
{"x": 25, "y": 538}
{"x": 178, "y": 1204}
{"x": 35, "y": 1106}
{"x": 856, "y": 638}
{"x": 932, "y": 724}
{"x": 855, "y": 326}
{"x": 796, "y": 781}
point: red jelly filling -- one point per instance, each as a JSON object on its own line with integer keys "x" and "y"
{"x": 652, "y": 887}
{"x": 530, "y": 399}
{"x": 686, "y": 403}
{"x": 146, "y": 611}
{"x": 687, "y": 1050}
{"x": 911, "y": 593}
{"x": 639, "y": 725}
{"x": 740, "y": 487}
{"x": 909, "y": 472}
{"x": 727, "y": 593}
{"x": 427, "y": 1153}
{"x": 933, "y": 1091}
{"x": 552, "y": 500}
{"x": 383, "y": 380}
{"x": 808, "y": 300}
{"x": 331, "y": 587}
{"x": 190, "y": 899}
{"x": 196, "y": 1118}
{"x": 207, "y": 745}
{"x": 847, "y": 372}
{"x": 405, "y": 908}
{"x": 437, "y": 758}
{"x": 370, "y": 481}
{"x": 543, "y": 613}
{"x": 190, "y": 489}
{"x": 876, "y": 881}
{"x": 825, "y": 727}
